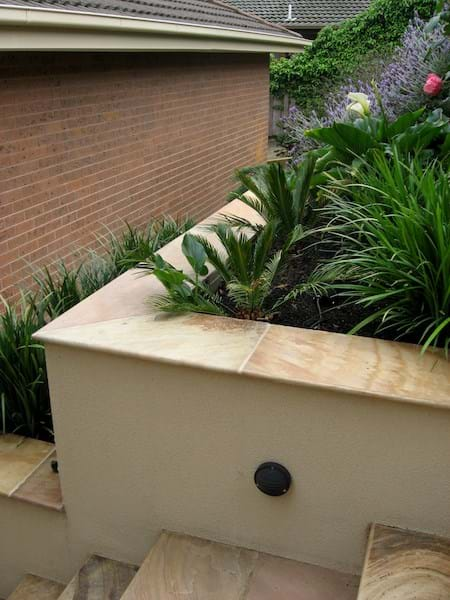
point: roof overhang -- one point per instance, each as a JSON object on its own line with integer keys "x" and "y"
{"x": 36, "y": 29}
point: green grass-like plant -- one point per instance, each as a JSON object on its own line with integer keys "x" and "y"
{"x": 392, "y": 225}
{"x": 134, "y": 244}
{"x": 59, "y": 289}
{"x": 119, "y": 252}
{"x": 24, "y": 394}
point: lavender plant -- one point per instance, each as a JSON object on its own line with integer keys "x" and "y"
{"x": 399, "y": 83}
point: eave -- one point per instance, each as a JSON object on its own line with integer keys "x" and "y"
{"x": 31, "y": 29}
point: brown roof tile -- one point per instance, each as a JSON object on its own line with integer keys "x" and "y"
{"x": 213, "y": 13}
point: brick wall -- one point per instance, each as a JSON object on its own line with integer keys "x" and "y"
{"x": 90, "y": 140}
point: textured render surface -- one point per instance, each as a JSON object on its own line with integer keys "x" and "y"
{"x": 33, "y": 540}
{"x": 197, "y": 12}
{"x": 405, "y": 565}
{"x": 91, "y": 140}
{"x": 312, "y": 13}
{"x": 99, "y": 579}
{"x": 194, "y": 438}
{"x": 36, "y": 588}
{"x": 196, "y": 569}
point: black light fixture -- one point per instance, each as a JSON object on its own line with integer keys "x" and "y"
{"x": 272, "y": 479}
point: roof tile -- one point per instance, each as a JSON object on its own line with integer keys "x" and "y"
{"x": 193, "y": 12}
{"x": 305, "y": 13}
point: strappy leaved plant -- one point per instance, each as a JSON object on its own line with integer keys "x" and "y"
{"x": 392, "y": 225}
{"x": 24, "y": 395}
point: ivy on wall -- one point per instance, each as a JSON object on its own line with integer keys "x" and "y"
{"x": 341, "y": 50}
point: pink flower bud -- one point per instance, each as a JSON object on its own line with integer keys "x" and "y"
{"x": 433, "y": 85}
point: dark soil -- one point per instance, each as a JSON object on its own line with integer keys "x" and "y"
{"x": 326, "y": 313}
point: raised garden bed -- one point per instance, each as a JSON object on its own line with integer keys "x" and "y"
{"x": 308, "y": 311}
{"x": 355, "y": 239}
{"x": 187, "y": 406}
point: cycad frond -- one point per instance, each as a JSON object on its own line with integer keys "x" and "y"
{"x": 282, "y": 196}
{"x": 241, "y": 223}
{"x": 171, "y": 305}
{"x": 214, "y": 257}
{"x": 271, "y": 270}
{"x": 262, "y": 249}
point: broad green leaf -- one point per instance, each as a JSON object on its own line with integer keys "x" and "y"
{"x": 195, "y": 254}
{"x": 403, "y": 122}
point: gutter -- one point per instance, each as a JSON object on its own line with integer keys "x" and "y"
{"x": 43, "y": 29}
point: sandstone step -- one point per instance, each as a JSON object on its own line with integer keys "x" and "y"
{"x": 99, "y": 579}
{"x": 405, "y": 565}
{"x": 36, "y": 588}
{"x": 180, "y": 566}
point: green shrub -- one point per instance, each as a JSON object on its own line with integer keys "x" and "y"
{"x": 392, "y": 225}
{"x": 340, "y": 51}
{"x": 135, "y": 245}
{"x": 427, "y": 136}
{"x": 185, "y": 293}
{"x": 59, "y": 289}
{"x": 24, "y": 395}
{"x": 249, "y": 268}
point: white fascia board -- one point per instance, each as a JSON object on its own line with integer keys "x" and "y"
{"x": 53, "y": 30}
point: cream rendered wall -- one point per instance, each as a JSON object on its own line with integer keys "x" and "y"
{"x": 145, "y": 446}
{"x": 32, "y": 540}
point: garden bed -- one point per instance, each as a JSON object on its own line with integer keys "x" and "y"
{"x": 308, "y": 311}
{"x": 325, "y": 313}
{"x": 355, "y": 239}
{"x": 197, "y": 398}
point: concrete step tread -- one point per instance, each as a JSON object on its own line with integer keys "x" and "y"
{"x": 99, "y": 578}
{"x": 403, "y": 565}
{"x": 183, "y": 567}
{"x": 36, "y": 588}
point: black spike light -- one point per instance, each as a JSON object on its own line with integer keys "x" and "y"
{"x": 272, "y": 479}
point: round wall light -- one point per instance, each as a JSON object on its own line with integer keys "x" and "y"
{"x": 272, "y": 479}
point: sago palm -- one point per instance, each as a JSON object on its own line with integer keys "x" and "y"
{"x": 283, "y": 197}
{"x": 247, "y": 266}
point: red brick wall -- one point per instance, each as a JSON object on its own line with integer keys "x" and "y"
{"x": 91, "y": 140}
